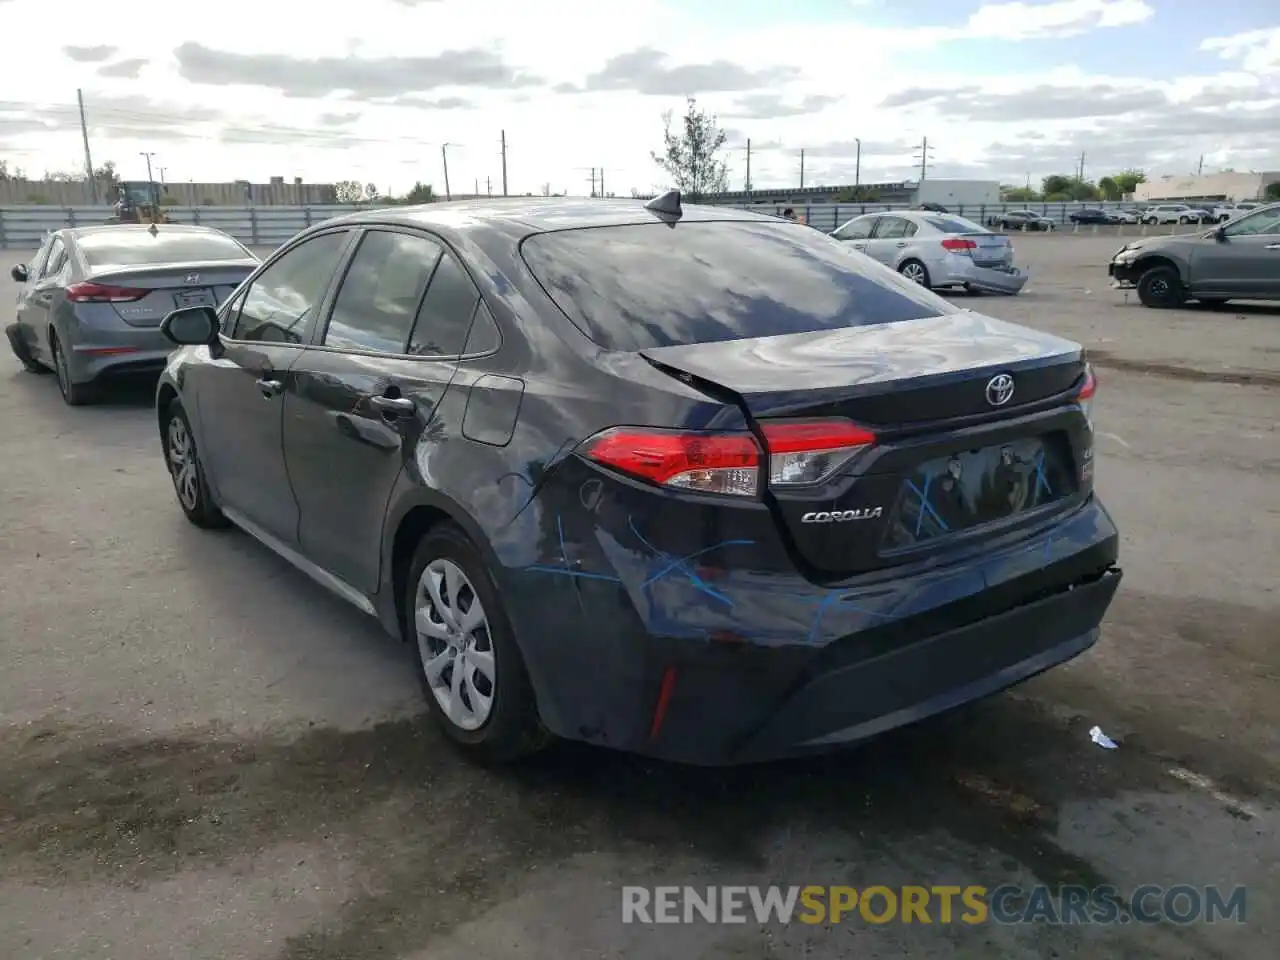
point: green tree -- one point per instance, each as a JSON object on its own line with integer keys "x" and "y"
{"x": 371, "y": 192}
{"x": 1273, "y": 191}
{"x": 691, "y": 157}
{"x": 1109, "y": 189}
{"x": 1128, "y": 180}
{"x": 420, "y": 193}
{"x": 858, "y": 194}
{"x": 348, "y": 191}
{"x": 1055, "y": 183}
{"x": 1019, "y": 194}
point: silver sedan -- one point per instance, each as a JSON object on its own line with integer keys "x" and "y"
{"x": 92, "y": 300}
{"x": 937, "y": 250}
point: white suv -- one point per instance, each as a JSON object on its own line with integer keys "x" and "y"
{"x": 1175, "y": 213}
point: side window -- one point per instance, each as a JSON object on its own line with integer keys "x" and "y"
{"x": 381, "y": 292}
{"x": 484, "y": 336}
{"x": 859, "y": 229}
{"x": 282, "y": 303}
{"x": 909, "y": 229}
{"x": 445, "y": 315}
{"x": 891, "y": 228}
{"x": 57, "y": 257}
{"x": 39, "y": 260}
{"x": 1265, "y": 221}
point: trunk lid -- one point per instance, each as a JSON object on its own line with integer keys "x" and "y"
{"x": 158, "y": 288}
{"x": 950, "y": 462}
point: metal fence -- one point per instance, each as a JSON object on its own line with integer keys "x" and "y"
{"x": 23, "y": 227}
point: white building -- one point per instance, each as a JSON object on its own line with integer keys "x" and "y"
{"x": 1209, "y": 186}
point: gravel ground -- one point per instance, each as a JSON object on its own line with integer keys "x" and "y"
{"x": 206, "y": 756}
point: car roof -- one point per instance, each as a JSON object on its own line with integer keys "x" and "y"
{"x": 527, "y": 215}
{"x": 101, "y": 228}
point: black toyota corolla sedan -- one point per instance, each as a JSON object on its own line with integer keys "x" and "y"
{"x": 687, "y": 481}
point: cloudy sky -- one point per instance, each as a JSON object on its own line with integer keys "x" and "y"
{"x": 246, "y": 89}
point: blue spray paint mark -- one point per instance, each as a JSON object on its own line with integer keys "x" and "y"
{"x": 925, "y": 505}
{"x": 1041, "y": 479}
{"x": 681, "y": 565}
{"x": 579, "y": 574}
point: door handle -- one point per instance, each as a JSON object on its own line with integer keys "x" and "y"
{"x": 270, "y": 388}
{"x": 902, "y": 244}
{"x": 392, "y": 407}
{"x": 1273, "y": 246}
{"x": 859, "y": 246}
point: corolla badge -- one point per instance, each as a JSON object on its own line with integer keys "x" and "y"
{"x": 1000, "y": 390}
{"x": 842, "y": 516}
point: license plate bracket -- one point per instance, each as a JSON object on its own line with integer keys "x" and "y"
{"x": 194, "y": 298}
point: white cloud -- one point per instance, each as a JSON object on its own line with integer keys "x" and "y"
{"x": 1257, "y": 50}
{"x": 466, "y": 71}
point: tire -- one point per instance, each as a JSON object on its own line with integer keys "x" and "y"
{"x": 504, "y": 725}
{"x": 187, "y": 472}
{"x": 1161, "y": 288}
{"x": 75, "y": 394}
{"x": 915, "y": 271}
{"x": 23, "y": 352}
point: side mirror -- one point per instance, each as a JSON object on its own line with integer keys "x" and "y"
{"x": 1220, "y": 234}
{"x": 191, "y": 326}
{"x": 19, "y": 272}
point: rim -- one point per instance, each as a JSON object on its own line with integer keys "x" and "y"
{"x": 1159, "y": 289}
{"x": 60, "y": 368}
{"x": 455, "y": 644}
{"x": 182, "y": 463}
{"x": 913, "y": 272}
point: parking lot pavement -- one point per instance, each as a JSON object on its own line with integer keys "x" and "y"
{"x": 206, "y": 756}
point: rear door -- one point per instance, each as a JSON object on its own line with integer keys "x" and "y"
{"x": 361, "y": 398}
{"x": 888, "y": 239}
{"x": 240, "y": 391}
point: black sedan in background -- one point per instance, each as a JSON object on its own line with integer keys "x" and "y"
{"x": 1020, "y": 220}
{"x": 1093, "y": 215}
{"x": 683, "y": 480}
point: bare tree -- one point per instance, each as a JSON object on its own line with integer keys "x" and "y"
{"x": 691, "y": 156}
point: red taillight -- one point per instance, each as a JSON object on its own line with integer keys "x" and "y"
{"x": 959, "y": 245}
{"x": 800, "y": 452}
{"x": 1090, "y": 386}
{"x": 102, "y": 293}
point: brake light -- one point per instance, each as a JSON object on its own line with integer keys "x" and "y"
{"x": 1087, "y": 390}
{"x": 959, "y": 245}
{"x": 799, "y": 452}
{"x": 88, "y": 292}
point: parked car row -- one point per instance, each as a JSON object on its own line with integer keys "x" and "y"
{"x": 1237, "y": 260}
{"x": 690, "y": 481}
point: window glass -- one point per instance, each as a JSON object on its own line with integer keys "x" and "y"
{"x": 445, "y": 316}
{"x": 910, "y": 229}
{"x": 280, "y": 305}
{"x": 381, "y": 292}
{"x": 484, "y": 336}
{"x": 1265, "y": 221}
{"x": 891, "y": 228}
{"x": 859, "y": 229}
{"x": 37, "y": 263}
{"x": 57, "y": 256}
{"x": 647, "y": 285}
{"x": 951, "y": 224}
{"x": 119, "y": 248}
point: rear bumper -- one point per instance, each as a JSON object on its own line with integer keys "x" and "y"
{"x": 660, "y": 660}
{"x": 956, "y": 270}
{"x": 130, "y": 351}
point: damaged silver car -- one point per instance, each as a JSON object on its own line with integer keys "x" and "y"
{"x": 937, "y": 250}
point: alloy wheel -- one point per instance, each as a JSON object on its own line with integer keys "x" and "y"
{"x": 454, "y": 643}
{"x": 182, "y": 463}
{"x": 60, "y": 369}
{"x": 913, "y": 272}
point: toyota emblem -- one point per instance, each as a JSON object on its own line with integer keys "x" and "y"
{"x": 192, "y": 278}
{"x": 1000, "y": 390}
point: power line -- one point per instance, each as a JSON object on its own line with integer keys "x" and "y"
{"x": 924, "y": 156}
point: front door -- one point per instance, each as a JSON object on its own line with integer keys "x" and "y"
{"x": 37, "y": 300}
{"x": 241, "y": 390}
{"x": 364, "y": 396}
{"x": 1244, "y": 263}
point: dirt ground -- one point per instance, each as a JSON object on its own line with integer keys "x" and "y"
{"x": 206, "y": 756}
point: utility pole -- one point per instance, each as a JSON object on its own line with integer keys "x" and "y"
{"x": 88, "y": 161}
{"x": 151, "y": 181}
{"x": 162, "y": 170}
{"x": 444, "y": 161}
{"x": 488, "y": 186}
{"x": 602, "y": 194}
{"x": 802, "y": 168}
{"x": 1080, "y": 172}
{"x": 593, "y": 181}
{"x": 857, "y": 162}
{"x": 748, "y": 183}
{"x": 504, "y": 163}
{"x": 924, "y": 157}
{"x": 1199, "y": 169}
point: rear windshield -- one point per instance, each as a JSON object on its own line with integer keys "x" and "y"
{"x": 649, "y": 285}
{"x": 955, "y": 225}
{"x": 135, "y": 247}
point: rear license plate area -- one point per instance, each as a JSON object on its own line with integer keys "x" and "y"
{"x": 194, "y": 298}
{"x": 969, "y": 489}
